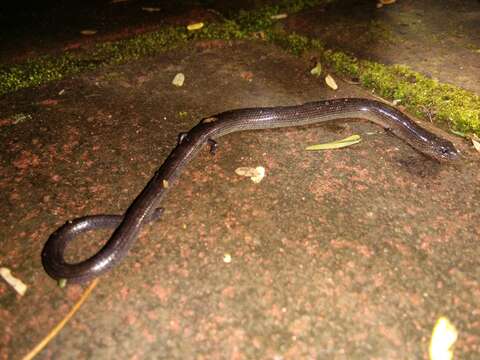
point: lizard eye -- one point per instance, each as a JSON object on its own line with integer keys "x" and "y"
{"x": 444, "y": 150}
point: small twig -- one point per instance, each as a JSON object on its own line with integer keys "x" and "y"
{"x": 62, "y": 323}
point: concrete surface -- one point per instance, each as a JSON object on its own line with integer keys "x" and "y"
{"x": 347, "y": 254}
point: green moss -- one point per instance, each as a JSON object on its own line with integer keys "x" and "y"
{"x": 293, "y": 43}
{"x": 139, "y": 46}
{"x": 37, "y": 71}
{"x": 420, "y": 94}
{"x": 40, "y": 70}
{"x": 48, "y": 68}
{"x": 227, "y": 30}
{"x": 343, "y": 63}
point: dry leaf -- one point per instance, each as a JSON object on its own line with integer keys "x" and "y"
{"x": 317, "y": 70}
{"x": 443, "y": 338}
{"x": 196, "y": 26}
{"x": 476, "y": 143}
{"x": 279, "y": 16}
{"x": 17, "y": 284}
{"x": 459, "y": 133}
{"x": 255, "y": 174}
{"x": 150, "y": 9}
{"x": 351, "y": 140}
{"x": 331, "y": 82}
{"x": 178, "y": 80}
{"x": 88, "y": 32}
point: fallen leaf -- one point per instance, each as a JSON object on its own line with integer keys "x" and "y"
{"x": 227, "y": 258}
{"x": 331, "y": 82}
{"x": 443, "y": 338}
{"x": 259, "y": 35}
{"x": 255, "y": 174}
{"x": 317, "y": 70}
{"x": 21, "y": 117}
{"x": 88, "y": 32}
{"x": 196, "y": 26}
{"x": 458, "y": 133}
{"x": 476, "y": 143}
{"x": 178, "y": 80}
{"x": 17, "y": 284}
{"x": 387, "y": 2}
{"x": 150, "y": 9}
{"x": 279, "y": 16}
{"x": 351, "y": 140}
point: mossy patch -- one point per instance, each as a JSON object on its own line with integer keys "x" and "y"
{"x": 420, "y": 94}
{"x": 43, "y": 69}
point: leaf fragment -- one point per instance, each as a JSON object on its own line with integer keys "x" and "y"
{"x": 17, "y": 284}
{"x": 279, "y": 16}
{"x": 458, "y": 133}
{"x": 351, "y": 140}
{"x": 443, "y": 338}
{"x": 330, "y": 81}
{"x": 150, "y": 9}
{"x": 255, "y": 174}
{"x": 195, "y": 26}
{"x": 476, "y": 143}
{"x": 88, "y": 32}
{"x": 317, "y": 70}
{"x": 178, "y": 80}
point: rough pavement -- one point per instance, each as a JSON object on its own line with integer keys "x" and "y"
{"x": 346, "y": 254}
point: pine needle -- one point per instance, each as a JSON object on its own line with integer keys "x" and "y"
{"x": 62, "y": 323}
